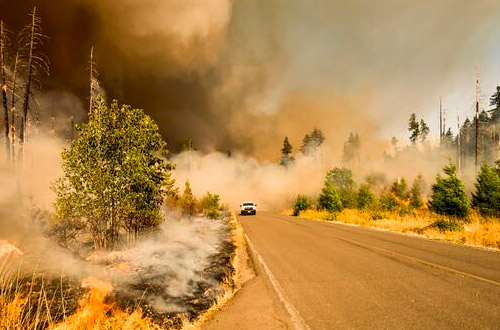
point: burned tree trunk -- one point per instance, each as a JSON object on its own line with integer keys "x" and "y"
{"x": 32, "y": 39}
{"x": 4, "y": 87}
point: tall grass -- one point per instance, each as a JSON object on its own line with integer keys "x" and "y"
{"x": 477, "y": 230}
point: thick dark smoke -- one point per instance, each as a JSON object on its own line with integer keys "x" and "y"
{"x": 241, "y": 74}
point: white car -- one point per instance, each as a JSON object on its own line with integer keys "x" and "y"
{"x": 248, "y": 208}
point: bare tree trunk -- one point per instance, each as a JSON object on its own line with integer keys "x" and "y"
{"x": 27, "y": 92}
{"x": 13, "y": 109}
{"x": 4, "y": 88}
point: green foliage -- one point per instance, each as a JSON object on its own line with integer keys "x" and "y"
{"x": 400, "y": 189}
{"x": 486, "y": 198}
{"x": 311, "y": 142}
{"x": 416, "y": 192}
{"x": 114, "y": 177}
{"x": 210, "y": 206}
{"x": 302, "y": 203}
{"x": 424, "y": 130}
{"x": 444, "y": 224}
{"x": 286, "y": 153}
{"x": 342, "y": 181}
{"x": 389, "y": 201}
{"x": 448, "y": 194}
{"x": 329, "y": 199}
{"x": 366, "y": 199}
{"x": 413, "y": 128}
{"x": 188, "y": 201}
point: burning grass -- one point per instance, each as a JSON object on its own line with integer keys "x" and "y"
{"x": 148, "y": 286}
{"x": 478, "y": 231}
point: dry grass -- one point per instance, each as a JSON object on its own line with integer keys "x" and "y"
{"x": 19, "y": 311}
{"x": 479, "y": 231}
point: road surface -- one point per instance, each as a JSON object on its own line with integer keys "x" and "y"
{"x": 335, "y": 276}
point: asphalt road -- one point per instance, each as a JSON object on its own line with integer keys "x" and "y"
{"x": 337, "y": 276}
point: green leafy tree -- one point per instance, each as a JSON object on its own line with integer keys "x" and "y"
{"x": 114, "y": 176}
{"x": 329, "y": 199}
{"x": 286, "y": 153}
{"x": 448, "y": 194}
{"x": 413, "y": 128}
{"x": 342, "y": 181}
{"x": 486, "y": 198}
{"x": 188, "y": 201}
{"x": 302, "y": 203}
{"x": 416, "y": 192}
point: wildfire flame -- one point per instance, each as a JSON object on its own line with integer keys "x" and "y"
{"x": 9, "y": 250}
{"x": 95, "y": 313}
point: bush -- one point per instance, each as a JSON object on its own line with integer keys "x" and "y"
{"x": 329, "y": 199}
{"x": 366, "y": 198}
{"x": 342, "y": 181}
{"x": 210, "y": 206}
{"x": 302, "y": 203}
{"x": 188, "y": 201}
{"x": 487, "y": 195}
{"x": 448, "y": 194}
{"x": 444, "y": 224}
{"x": 416, "y": 192}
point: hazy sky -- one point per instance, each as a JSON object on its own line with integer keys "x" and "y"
{"x": 242, "y": 74}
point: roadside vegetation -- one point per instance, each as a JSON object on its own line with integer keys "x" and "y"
{"x": 447, "y": 213}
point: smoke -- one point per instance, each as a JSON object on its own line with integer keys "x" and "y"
{"x": 235, "y": 74}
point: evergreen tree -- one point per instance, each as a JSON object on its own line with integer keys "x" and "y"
{"x": 400, "y": 189}
{"x": 394, "y": 143}
{"x": 286, "y": 153}
{"x": 413, "y": 128}
{"x": 416, "y": 192}
{"x": 114, "y": 176}
{"x": 448, "y": 194}
{"x": 424, "y": 131}
{"x": 342, "y": 181}
{"x": 188, "y": 144}
{"x": 188, "y": 201}
{"x": 351, "y": 148}
{"x": 329, "y": 199}
{"x": 311, "y": 142}
{"x": 486, "y": 198}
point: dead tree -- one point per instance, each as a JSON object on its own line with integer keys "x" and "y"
{"x": 3, "y": 60}
{"x": 31, "y": 39}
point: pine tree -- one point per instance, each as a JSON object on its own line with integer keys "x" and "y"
{"x": 416, "y": 192}
{"x": 448, "y": 194}
{"x": 400, "y": 189}
{"x": 351, "y": 150}
{"x": 286, "y": 153}
{"x": 413, "y": 128}
{"x": 311, "y": 142}
{"x": 188, "y": 201}
{"x": 486, "y": 198}
{"x": 329, "y": 199}
{"x": 365, "y": 198}
{"x": 424, "y": 131}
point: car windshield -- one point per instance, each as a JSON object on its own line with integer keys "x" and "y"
{"x": 247, "y": 204}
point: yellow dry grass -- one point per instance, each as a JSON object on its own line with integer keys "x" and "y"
{"x": 479, "y": 231}
{"x": 19, "y": 312}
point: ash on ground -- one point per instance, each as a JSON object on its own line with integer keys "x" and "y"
{"x": 179, "y": 270}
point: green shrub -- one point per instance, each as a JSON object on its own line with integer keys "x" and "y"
{"x": 448, "y": 194}
{"x": 486, "y": 198}
{"x": 302, "y": 203}
{"x": 329, "y": 199}
{"x": 366, "y": 198}
{"x": 416, "y": 192}
{"x": 444, "y": 224}
{"x": 210, "y": 206}
{"x": 342, "y": 181}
